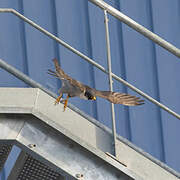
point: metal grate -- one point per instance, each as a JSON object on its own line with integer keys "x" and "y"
{"x": 4, "y": 152}
{"x": 35, "y": 170}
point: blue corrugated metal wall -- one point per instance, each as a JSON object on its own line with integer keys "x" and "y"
{"x": 135, "y": 58}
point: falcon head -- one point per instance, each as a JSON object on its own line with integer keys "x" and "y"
{"x": 90, "y": 96}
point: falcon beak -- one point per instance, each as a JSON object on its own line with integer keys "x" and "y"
{"x": 94, "y": 98}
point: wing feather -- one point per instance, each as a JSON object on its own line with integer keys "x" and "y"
{"x": 119, "y": 98}
{"x": 62, "y": 75}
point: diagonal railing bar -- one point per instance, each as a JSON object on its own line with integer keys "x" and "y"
{"x": 15, "y": 72}
{"x": 90, "y": 61}
{"x": 139, "y": 28}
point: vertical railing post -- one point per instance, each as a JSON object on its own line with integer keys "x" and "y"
{"x": 110, "y": 80}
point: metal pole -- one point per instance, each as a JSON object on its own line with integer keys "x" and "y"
{"x": 91, "y": 61}
{"x": 141, "y": 29}
{"x": 110, "y": 81}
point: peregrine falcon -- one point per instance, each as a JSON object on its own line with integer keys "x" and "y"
{"x": 74, "y": 88}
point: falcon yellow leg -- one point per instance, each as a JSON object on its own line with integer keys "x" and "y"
{"x": 66, "y": 102}
{"x": 58, "y": 99}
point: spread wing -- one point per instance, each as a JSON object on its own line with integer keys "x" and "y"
{"x": 62, "y": 75}
{"x": 119, "y": 98}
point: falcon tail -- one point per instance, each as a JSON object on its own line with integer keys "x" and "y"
{"x": 52, "y": 73}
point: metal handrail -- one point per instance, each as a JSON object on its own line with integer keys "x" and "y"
{"x": 121, "y": 17}
{"x": 139, "y": 28}
{"x": 90, "y": 60}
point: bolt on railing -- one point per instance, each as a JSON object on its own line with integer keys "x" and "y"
{"x": 121, "y": 17}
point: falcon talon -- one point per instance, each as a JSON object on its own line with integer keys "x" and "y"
{"x": 74, "y": 88}
{"x": 55, "y": 103}
{"x": 65, "y": 102}
{"x": 58, "y": 99}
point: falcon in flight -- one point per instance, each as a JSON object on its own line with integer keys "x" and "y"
{"x": 74, "y": 88}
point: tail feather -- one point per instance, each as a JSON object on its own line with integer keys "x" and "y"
{"x": 52, "y": 73}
